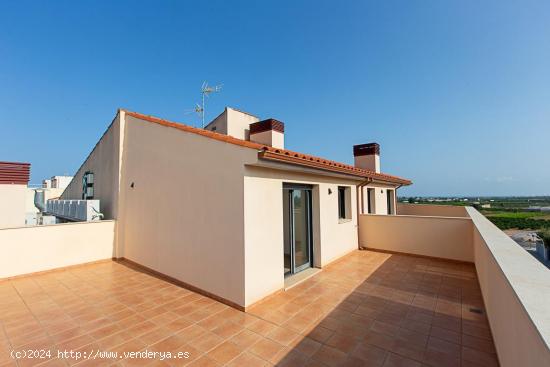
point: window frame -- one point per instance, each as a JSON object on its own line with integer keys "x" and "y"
{"x": 344, "y": 203}
{"x": 371, "y": 193}
{"x": 88, "y": 190}
{"x": 390, "y": 201}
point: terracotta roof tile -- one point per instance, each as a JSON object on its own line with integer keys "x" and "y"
{"x": 276, "y": 154}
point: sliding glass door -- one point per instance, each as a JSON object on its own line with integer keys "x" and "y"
{"x": 297, "y": 228}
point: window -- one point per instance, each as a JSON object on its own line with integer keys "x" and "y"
{"x": 344, "y": 202}
{"x": 88, "y": 185}
{"x": 370, "y": 201}
{"x": 391, "y": 202}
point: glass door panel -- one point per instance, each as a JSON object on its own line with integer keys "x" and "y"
{"x": 301, "y": 229}
{"x": 297, "y": 229}
{"x": 287, "y": 232}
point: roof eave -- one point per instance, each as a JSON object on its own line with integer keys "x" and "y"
{"x": 268, "y": 155}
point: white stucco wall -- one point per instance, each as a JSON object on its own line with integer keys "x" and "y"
{"x": 238, "y": 123}
{"x": 432, "y": 210}
{"x": 103, "y": 161}
{"x": 380, "y": 198}
{"x": 516, "y": 293}
{"x": 233, "y": 122}
{"x": 39, "y": 248}
{"x": 184, "y": 217}
{"x": 272, "y": 138}
{"x": 264, "y": 272}
{"x": 13, "y": 199}
{"x": 443, "y": 237}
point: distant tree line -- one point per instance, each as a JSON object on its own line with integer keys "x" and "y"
{"x": 519, "y": 223}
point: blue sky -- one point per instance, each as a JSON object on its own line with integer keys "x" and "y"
{"x": 457, "y": 93}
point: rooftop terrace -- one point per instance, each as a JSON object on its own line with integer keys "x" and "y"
{"x": 368, "y": 309}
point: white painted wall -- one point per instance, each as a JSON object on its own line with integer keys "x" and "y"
{"x": 516, "y": 293}
{"x": 13, "y": 199}
{"x": 60, "y": 182}
{"x": 184, "y": 217}
{"x": 380, "y": 198}
{"x": 272, "y": 138}
{"x": 238, "y": 123}
{"x": 103, "y": 161}
{"x": 233, "y": 122}
{"x": 263, "y": 198}
{"x": 39, "y": 248}
{"x": 432, "y": 210}
{"x": 443, "y": 237}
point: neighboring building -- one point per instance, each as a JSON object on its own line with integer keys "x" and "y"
{"x": 226, "y": 209}
{"x": 57, "y": 182}
{"x": 14, "y": 178}
{"x": 52, "y": 188}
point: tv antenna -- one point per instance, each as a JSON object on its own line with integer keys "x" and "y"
{"x": 206, "y": 90}
{"x": 197, "y": 109}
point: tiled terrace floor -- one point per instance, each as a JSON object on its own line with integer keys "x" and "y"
{"x": 370, "y": 309}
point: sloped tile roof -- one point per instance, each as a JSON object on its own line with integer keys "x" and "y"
{"x": 276, "y": 154}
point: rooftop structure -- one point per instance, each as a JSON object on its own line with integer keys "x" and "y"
{"x": 231, "y": 247}
{"x": 14, "y": 178}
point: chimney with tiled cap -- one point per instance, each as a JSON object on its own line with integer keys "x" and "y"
{"x": 367, "y": 156}
{"x": 269, "y": 132}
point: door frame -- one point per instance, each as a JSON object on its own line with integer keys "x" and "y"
{"x": 308, "y": 189}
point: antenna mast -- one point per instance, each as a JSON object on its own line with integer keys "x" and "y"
{"x": 205, "y": 92}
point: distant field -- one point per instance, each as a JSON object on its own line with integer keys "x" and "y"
{"x": 518, "y": 219}
{"x": 519, "y": 223}
{"x": 511, "y": 214}
{"x": 505, "y": 213}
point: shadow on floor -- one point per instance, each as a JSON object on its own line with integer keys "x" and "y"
{"x": 377, "y": 309}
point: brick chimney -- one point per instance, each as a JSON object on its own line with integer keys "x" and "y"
{"x": 367, "y": 156}
{"x": 269, "y": 132}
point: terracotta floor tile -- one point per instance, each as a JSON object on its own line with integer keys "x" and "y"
{"x": 245, "y": 338}
{"x": 192, "y": 332}
{"x": 371, "y": 355}
{"x": 320, "y": 334}
{"x": 383, "y": 341}
{"x": 248, "y": 360}
{"x": 204, "y": 362}
{"x": 224, "y": 352}
{"x": 141, "y": 328}
{"x": 436, "y": 358}
{"x": 178, "y": 324}
{"x": 155, "y": 335}
{"x": 105, "y": 331}
{"x": 394, "y": 360}
{"x": 265, "y": 348}
{"x": 206, "y": 342}
{"x": 114, "y": 340}
{"x": 374, "y": 308}
{"x": 329, "y": 356}
{"x": 344, "y": 343}
{"x": 168, "y": 344}
{"x": 228, "y": 329}
{"x": 479, "y": 357}
{"x": 262, "y": 327}
{"x": 480, "y": 344}
{"x": 75, "y": 343}
{"x": 283, "y": 336}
